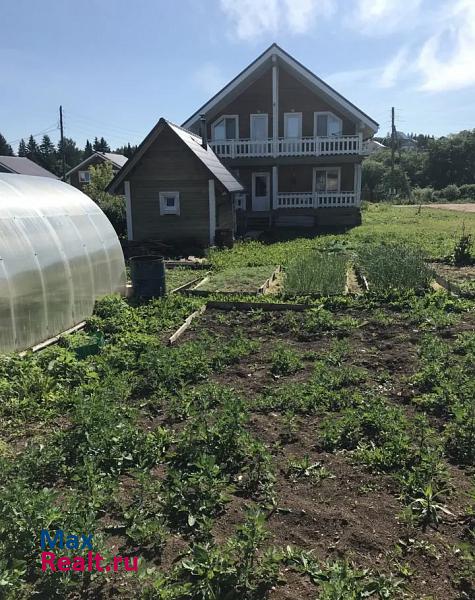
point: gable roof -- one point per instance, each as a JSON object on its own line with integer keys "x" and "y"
{"x": 305, "y": 74}
{"x": 117, "y": 160}
{"x": 193, "y": 142}
{"x": 24, "y": 166}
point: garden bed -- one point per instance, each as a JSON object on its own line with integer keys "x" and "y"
{"x": 243, "y": 280}
{"x": 460, "y": 280}
{"x": 181, "y": 277}
{"x": 317, "y": 274}
{"x": 330, "y": 497}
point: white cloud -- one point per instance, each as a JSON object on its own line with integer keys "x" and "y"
{"x": 253, "y": 18}
{"x": 209, "y": 78}
{"x": 353, "y": 77}
{"x": 393, "y": 69}
{"x": 379, "y": 17}
{"x": 455, "y": 70}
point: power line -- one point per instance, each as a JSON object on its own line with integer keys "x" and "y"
{"x": 54, "y": 127}
{"x": 97, "y": 123}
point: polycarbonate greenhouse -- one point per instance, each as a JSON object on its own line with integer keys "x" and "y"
{"x": 58, "y": 254}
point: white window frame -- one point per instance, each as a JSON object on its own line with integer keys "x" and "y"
{"x": 82, "y": 176}
{"x": 169, "y": 210}
{"x": 266, "y": 115}
{"x": 328, "y": 113}
{"x": 220, "y": 118}
{"x": 315, "y": 169}
{"x": 292, "y": 114}
{"x": 240, "y": 200}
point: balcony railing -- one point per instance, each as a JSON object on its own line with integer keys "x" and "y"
{"x": 305, "y": 146}
{"x": 317, "y": 199}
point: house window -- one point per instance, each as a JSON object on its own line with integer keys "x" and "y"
{"x": 327, "y": 179}
{"x": 84, "y": 177}
{"x": 225, "y": 128}
{"x": 293, "y": 125}
{"x": 169, "y": 203}
{"x": 327, "y": 124}
{"x": 259, "y": 127}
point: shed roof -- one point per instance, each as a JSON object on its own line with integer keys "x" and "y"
{"x": 194, "y": 143}
{"x": 118, "y": 160}
{"x": 24, "y": 166}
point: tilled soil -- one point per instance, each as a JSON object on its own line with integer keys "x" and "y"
{"x": 352, "y": 513}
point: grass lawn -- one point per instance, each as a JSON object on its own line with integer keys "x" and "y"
{"x": 434, "y": 230}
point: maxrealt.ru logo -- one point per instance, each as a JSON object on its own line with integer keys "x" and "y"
{"x": 92, "y": 561}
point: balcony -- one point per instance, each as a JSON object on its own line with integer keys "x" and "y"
{"x": 317, "y": 199}
{"x": 305, "y": 146}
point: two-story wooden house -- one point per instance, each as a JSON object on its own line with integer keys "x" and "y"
{"x": 294, "y": 143}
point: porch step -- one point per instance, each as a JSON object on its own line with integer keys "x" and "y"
{"x": 294, "y": 220}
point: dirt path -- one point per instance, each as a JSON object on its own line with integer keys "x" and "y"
{"x": 467, "y": 207}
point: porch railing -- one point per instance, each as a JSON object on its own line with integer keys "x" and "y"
{"x": 305, "y": 146}
{"x": 317, "y": 199}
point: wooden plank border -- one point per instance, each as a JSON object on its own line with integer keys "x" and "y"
{"x": 448, "y": 285}
{"x": 176, "y": 264}
{"x": 53, "y": 340}
{"x": 240, "y": 305}
{"x": 181, "y": 330}
{"x": 265, "y": 286}
{"x": 361, "y": 278}
{"x": 185, "y": 286}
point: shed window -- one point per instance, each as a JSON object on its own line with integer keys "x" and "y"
{"x": 169, "y": 203}
{"x": 84, "y": 177}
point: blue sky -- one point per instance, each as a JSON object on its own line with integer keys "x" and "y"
{"x": 116, "y": 66}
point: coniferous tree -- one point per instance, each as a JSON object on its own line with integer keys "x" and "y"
{"x": 127, "y": 150}
{"x": 5, "y": 148}
{"x": 47, "y": 155}
{"x": 101, "y": 145}
{"x": 22, "y": 148}
{"x": 32, "y": 150}
{"x": 88, "y": 151}
{"x": 73, "y": 154}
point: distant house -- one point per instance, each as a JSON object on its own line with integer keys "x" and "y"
{"x": 79, "y": 176}
{"x": 22, "y": 166}
{"x": 405, "y": 142}
{"x": 176, "y": 188}
{"x": 372, "y": 146}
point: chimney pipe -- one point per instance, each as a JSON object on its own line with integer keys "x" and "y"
{"x": 204, "y": 132}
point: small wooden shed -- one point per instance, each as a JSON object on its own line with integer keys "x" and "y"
{"x": 176, "y": 188}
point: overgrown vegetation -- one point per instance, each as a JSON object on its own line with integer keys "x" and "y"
{"x": 394, "y": 266}
{"x": 316, "y": 273}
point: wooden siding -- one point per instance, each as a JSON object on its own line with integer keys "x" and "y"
{"x": 257, "y": 98}
{"x": 294, "y": 96}
{"x": 168, "y": 165}
{"x": 298, "y": 178}
{"x": 73, "y": 179}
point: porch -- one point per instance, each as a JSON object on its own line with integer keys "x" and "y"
{"x": 287, "y": 200}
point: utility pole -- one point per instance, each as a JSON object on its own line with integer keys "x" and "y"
{"x": 63, "y": 157}
{"x": 393, "y": 140}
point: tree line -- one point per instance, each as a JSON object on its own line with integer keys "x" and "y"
{"x": 435, "y": 169}
{"x": 49, "y": 155}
